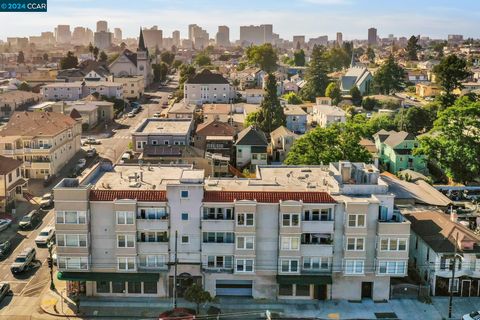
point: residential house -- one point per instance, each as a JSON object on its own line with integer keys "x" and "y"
{"x": 290, "y": 86}
{"x": 71, "y": 91}
{"x": 417, "y": 76}
{"x": 12, "y": 183}
{"x": 424, "y": 90}
{"x": 17, "y": 100}
{"x": 281, "y": 140}
{"x": 215, "y": 137}
{"x": 133, "y": 86}
{"x": 295, "y": 118}
{"x": 44, "y": 141}
{"x": 103, "y": 88}
{"x": 208, "y": 87}
{"x": 356, "y": 76}
{"x": 395, "y": 150}
{"x": 218, "y": 111}
{"x": 251, "y": 148}
{"x": 325, "y": 114}
{"x": 254, "y": 96}
{"x": 181, "y": 110}
{"x": 88, "y": 113}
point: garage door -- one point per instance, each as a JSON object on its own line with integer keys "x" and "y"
{"x": 234, "y": 288}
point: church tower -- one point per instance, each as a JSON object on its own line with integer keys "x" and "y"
{"x": 143, "y": 60}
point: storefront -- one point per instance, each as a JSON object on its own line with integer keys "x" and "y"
{"x": 304, "y": 287}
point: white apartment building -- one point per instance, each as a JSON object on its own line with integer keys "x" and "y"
{"x": 71, "y": 91}
{"x": 44, "y": 141}
{"x": 309, "y": 232}
{"x": 208, "y": 87}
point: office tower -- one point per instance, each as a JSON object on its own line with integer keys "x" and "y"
{"x": 298, "y": 42}
{"x": 102, "y": 40}
{"x": 48, "y": 37}
{"x": 199, "y": 36}
{"x": 176, "y": 38}
{"x": 339, "y": 38}
{"x": 223, "y": 36}
{"x": 372, "y": 36}
{"x": 190, "y": 31}
{"x": 455, "y": 38}
{"x": 153, "y": 37}
{"x": 256, "y": 35}
{"x": 89, "y": 36}
{"x": 63, "y": 34}
{"x": 319, "y": 41}
{"x": 79, "y": 36}
{"x": 102, "y": 26}
{"x": 117, "y": 35}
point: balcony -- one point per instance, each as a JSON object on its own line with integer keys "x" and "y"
{"x": 217, "y": 225}
{"x": 211, "y": 248}
{"x": 160, "y": 268}
{"x": 315, "y": 250}
{"x": 152, "y": 247}
{"x": 317, "y": 226}
{"x": 395, "y": 225}
{"x": 152, "y": 224}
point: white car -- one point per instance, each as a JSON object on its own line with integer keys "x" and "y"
{"x": 475, "y": 315}
{"x": 157, "y": 115}
{"x": 81, "y": 163}
{"x": 45, "y": 236}
{"x": 46, "y": 201}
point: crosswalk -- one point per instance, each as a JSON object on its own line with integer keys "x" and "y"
{"x": 122, "y": 137}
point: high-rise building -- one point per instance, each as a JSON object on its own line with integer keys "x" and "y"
{"x": 176, "y": 38}
{"x": 372, "y": 36}
{"x": 455, "y": 38}
{"x": 153, "y": 37}
{"x": 339, "y": 38}
{"x": 190, "y": 31}
{"x": 298, "y": 42}
{"x": 89, "y": 36}
{"x": 102, "y": 26}
{"x": 223, "y": 36}
{"x": 199, "y": 36}
{"x": 319, "y": 41}
{"x": 117, "y": 35}
{"x": 79, "y": 36}
{"x": 256, "y": 35}
{"x": 102, "y": 40}
{"x": 63, "y": 34}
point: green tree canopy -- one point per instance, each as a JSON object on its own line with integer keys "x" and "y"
{"x": 250, "y": 119}
{"x": 415, "y": 120}
{"x": 412, "y": 48}
{"x": 197, "y": 295}
{"x": 68, "y": 62}
{"x": 390, "y": 77}
{"x": 368, "y": 127}
{"x": 454, "y": 142}
{"x": 263, "y": 56}
{"x": 103, "y": 57}
{"x": 324, "y": 145}
{"x": 168, "y": 57}
{"x": 337, "y": 58}
{"x": 316, "y": 75}
{"x": 356, "y": 96}
{"x": 292, "y": 98}
{"x": 270, "y": 115}
{"x": 202, "y": 59}
{"x": 370, "y": 54}
{"x": 333, "y": 92}
{"x": 160, "y": 71}
{"x": 450, "y": 73}
{"x": 299, "y": 58}
{"x": 24, "y": 86}
{"x": 95, "y": 53}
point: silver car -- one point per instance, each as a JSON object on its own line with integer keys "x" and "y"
{"x": 5, "y": 223}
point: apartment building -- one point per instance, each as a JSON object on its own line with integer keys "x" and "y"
{"x": 208, "y": 87}
{"x": 12, "y": 183}
{"x": 71, "y": 91}
{"x": 133, "y": 86}
{"x": 44, "y": 141}
{"x": 293, "y": 232}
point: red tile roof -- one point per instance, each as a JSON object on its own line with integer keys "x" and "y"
{"x": 139, "y": 195}
{"x": 267, "y": 196}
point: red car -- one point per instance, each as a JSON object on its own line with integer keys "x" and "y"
{"x": 178, "y": 314}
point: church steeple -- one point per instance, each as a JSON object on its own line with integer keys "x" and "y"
{"x": 141, "y": 42}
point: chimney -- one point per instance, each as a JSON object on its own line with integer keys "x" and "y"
{"x": 453, "y": 215}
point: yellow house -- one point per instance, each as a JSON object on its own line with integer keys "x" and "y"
{"x": 133, "y": 86}
{"x": 427, "y": 90}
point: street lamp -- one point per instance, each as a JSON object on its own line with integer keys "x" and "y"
{"x": 50, "y": 263}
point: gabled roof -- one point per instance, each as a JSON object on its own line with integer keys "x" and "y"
{"x": 70, "y": 73}
{"x": 33, "y": 124}
{"x": 139, "y": 195}
{"x": 282, "y": 132}
{"x": 7, "y": 165}
{"x": 215, "y": 128}
{"x": 395, "y": 138}
{"x": 74, "y": 114}
{"x": 251, "y": 136}
{"x": 383, "y": 134}
{"x": 129, "y": 55}
{"x": 207, "y": 77}
{"x": 267, "y": 196}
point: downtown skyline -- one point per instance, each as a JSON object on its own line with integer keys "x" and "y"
{"x": 312, "y": 18}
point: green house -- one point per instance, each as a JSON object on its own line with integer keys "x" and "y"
{"x": 395, "y": 151}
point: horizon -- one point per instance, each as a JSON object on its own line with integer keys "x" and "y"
{"x": 434, "y": 19}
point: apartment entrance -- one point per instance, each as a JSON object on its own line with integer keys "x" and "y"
{"x": 466, "y": 285}
{"x": 184, "y": 281}
{"x": 367, "y": 288}
{"x": 320, "y": 292}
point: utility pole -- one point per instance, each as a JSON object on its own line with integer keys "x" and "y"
{"x": 452, "y": 280}
{"x": 50, "y": 264}
{"x": 175, "y": 273}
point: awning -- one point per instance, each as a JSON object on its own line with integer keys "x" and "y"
{"x": 19, "y": 182}
{"x": 302, "y": 279}
{"x": 108, "y": 276}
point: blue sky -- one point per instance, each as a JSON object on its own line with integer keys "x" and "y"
{"x": 434, "y": 18}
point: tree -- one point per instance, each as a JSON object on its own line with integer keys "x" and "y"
{"x": 369, "y": 103}
{"x": 68, "y": 62}
{"x": 356, "y": 96}
{"x": 103, "y": 57}
{"x": 90, "y": 48}
{"x": 316, "y": 75}
{"x": 20, "y": 57}
{"x": 270, "y": 115}
{"x": 390, "y": 77}
{"x": 202, "y": 59}
{"x": 453, "y": 143}
{"x": 299, "y": 58}
{"x": 412, "y": 48}
{"x": 95, "y": 53}
{"x": 251, "y": 119}
{"x": 450, "y": 73}
{"x": 197, "y": 295}
{"x": 187, "y": 71}
{"x": 263, "y": 56}
{"x": 415, "y": 120}
{"x": 177, "y": 64}
{"x": 438, "y": 48}
{"x": 24, "y": 86}
{"x": 167, "y": 57}
{"x": 324, "y": 145}
{"x": 45, "y": 57}
{"x": 370, "y": 54}
{"x": 160, "y": 71}
{"x": 333, "y": 92}
{"x": 337, "y": 58}
{"x": 292, "y": 98}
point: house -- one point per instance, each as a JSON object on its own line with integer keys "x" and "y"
{"x": 218, "y": 111}
{"x": 133, "y": 86}
{"x": 208, "y": 87}
{"x": 356, "y": 76}
{"x": 88, "y": 113}
{"x": 324, "y": 114}
{"x": 432, "y": 252}
{"x": 71, "y": 91}
{"x": 12, "y": 183}
{"x": 215, "y": 137}
{"x": 395, "y": 150}
{"x": 71, "y": 75}
{"x": 417, "y": 76}
{"x": 281, "y": 140}
{"x": 16, "y": 100}
{"x": 254, "y": 96}
{"x": 44, "y": 141}
{"x": 287, "y": 233}
{"x": 104, "y": 88}
{"x": 424, "y": 90}
{"x": 295, "y": 118}
{"x": 251, "y": 148}
{"x": 181, "y": 110}
{"x": 157, "y": 133}
{"x": 290, "y": 86}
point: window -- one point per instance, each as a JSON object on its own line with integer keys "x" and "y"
{"x": 72, "y": 240}
{"x": 245, "y": 219}
{"x": 134, "y": 287}
{"x": 317, "y": 238}
{"x": 393, "y": 244}
{"x": 185, "y": 239}
{"x": 245, "y": 242}
{"x": 73, "y": 263}
{"x": 150, "y": 287}
{"x": 103, "y": 286}
{"x": 126, "y": 263}
{"x": 221, "y": 262}
{"x": 290, "y": 243}
{"x": 453, "y": 287}
{"x": 218, "y": 237}
{"x": 302, "y": 290}
{"x": 285, "y": 290}
{"x": 391, "y": 267}
{"x": 354, "y": 266}
{"x": 217, "y": 213}
{"x": 316, "y": 264}
{"x": 152, "y": 213}
{"x": 244, "y": 265}
{"x": 124, "y": 217}
{"x": 355, "y": 244}
{"x": 151, "y": 261}
{"x": 126, "y": 241}
{"x": 356, "y": 220}
{"x": 290, "y": 220}
{"x": 184, "y": 216}
{"x": 118, "y": 287}
{"x": 289, "y": 265}
{"x": 184, "y": 194}
{"x": 318, "y": 215}
{"x": 71, "y": 217}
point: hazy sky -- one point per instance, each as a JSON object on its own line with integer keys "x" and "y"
{"x": 434, "y": 18}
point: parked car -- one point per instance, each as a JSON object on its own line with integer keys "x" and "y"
{"x": 91, "y": 152}
{"x": 131, "y": 114}
{"x": 5, "y": 223}
{"x": 127, "y": 156}
{"x": 4, "y": 290}
{"x": 475, "y": 315}
{"x": 157, "y": 115}
{"x": 5, "y": 248}
{"x": 46, "y": 201}
{"x": 45, "y": 236}
{"x": 81, "y": 163}
{"x": 91, "y": 140}
{"x": 30, "y": 220}
{"x": 23, "y": 260}
{"x": 178, "y": 314}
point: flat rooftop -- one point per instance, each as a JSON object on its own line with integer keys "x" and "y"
{"x": 164, "y": 126}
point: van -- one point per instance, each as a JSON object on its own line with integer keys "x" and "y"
{"x": 30, "y": 220}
